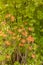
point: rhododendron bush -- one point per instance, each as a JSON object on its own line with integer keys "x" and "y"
{"x": 21, "y": 32}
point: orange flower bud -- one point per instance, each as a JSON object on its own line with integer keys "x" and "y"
{"x": 33, "y": 56}
{"x": 4, "y": 35}
{"x": 23, "y": 40}
{"x": 0, "y": 32}
{"x": 19, "y": 30}
{"x": 3, "y": 23}
{"x": 21, "y": 44}
{"x": 24, "y": 33}
{"x": 30, "y": 29}
{"x": 10, "y": 32}
{"x": 7, "y": 43}
{"x": 7, "y": 56}
{"x": 30, "y": 39}
{"x": 14, "y": 38}
{"x": 12, "y": 18}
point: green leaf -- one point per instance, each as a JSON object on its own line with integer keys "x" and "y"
{"x": 16, "y": 63}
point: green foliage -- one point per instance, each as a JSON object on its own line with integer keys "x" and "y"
{"x": 16, "y": 63}
{"x": 21, "y": 32}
